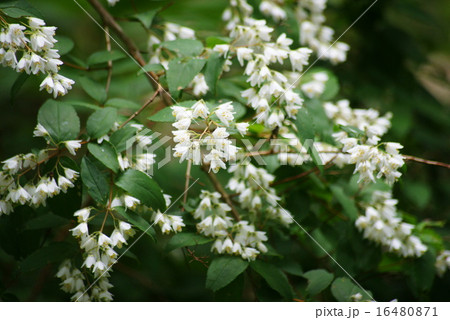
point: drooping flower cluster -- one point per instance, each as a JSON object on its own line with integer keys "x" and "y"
{"x": 255, "y": 193}
{"x": 364, "y": 151}
{"x": 168, "y": 223}
{"x": 443, "y": 262}
{"x": 99, "y": 254}
{"x": 29, "y": 47}
{"x": 214, "y": 134}
{"x": 315, "y": 34}
{"x": 314, "y": 88}
{"x": 138, "y": 154}
{"x": 34, "y": 194}
{"x": 234, "y": 238}
{"x": 382, "y": 224}
{"x": 270, "y": 95}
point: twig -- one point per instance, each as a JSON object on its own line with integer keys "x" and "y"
{"x": 303, "y": 174}
{"x": 222, "y": 191}
{"x": 109, "y": 21}
{"x": 134, "y": 115}
{"x": 186, "y": 184}
{"x": 430, "y": 162}
{"x": 110, "y": 65}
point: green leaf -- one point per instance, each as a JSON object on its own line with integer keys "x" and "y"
{"x": 318, "y": 280}
{"x": 64, "y": 45}
{"x": 421, "y": 273}
{"x": 306, "y": 134}
{"x": 60, "y": 120}
{"x": 95, "y": 180}
{"x": 84, "y": 106}
{"x": 100, "y": 122}
{"x": 346, "y": 202}
{"x": 94, "y": 89}
{"x": 142, "y": 187}
{"x": 122, "y": 104}
{"x": 223, "y": 270}
{"x": 181, "y": 72}
{"x": 121, "y": 138}
{"x": 213, "y": 70}
{"x": 48, "y": 220}
{"x": 19, "y": 8}
{"x": 137, "y": 221}
{"x": 146, "y": 18}
{"x": 105, "y": 56}
{"x": 54, "y": 252}
{"x": 184, "y": 47}
{"x": 343, "y": 289}
{"x": 106, "y": 154}
{"x": 274, "y": 277}
{"x": 186, "y": 239}
{"x": 164, "y": 115}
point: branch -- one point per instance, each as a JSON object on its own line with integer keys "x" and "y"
{"x": 430, "y": 162}
{"x": 222, "y": 191}
{"x": 134, "y": 115}
{"x": 109, "y": 21}
{"x": 188, "y": 177}
{"x": 303, "y": 174}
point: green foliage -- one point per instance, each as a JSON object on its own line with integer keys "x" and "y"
{"x": 223, "y": 270}
{"x": 186, "y": 239}
{"x": 142, "y": 187}
{"x": 181, "y": 72}
{"x": 106, "y": 154}
{"x": 100, "y": 122}
{"x": 60, "y": 120}
{"x": 274, "y": 277}
{"x": 318, "y": 280}
{"x": 95, "y": 179}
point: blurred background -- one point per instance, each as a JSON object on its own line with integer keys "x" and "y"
{"x": 399, "y": 62}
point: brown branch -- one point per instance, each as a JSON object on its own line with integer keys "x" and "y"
{"x": 430, "y": 162}
{"x": 188, "y": 177}
{"x": 108, "y": 20}
{"x": 303, "y": 174}
{"x": 134, "y": 115}
{"x": 222, "y": 191}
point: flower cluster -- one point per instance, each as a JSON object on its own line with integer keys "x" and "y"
{"x": 315, "y": 34}
{"x": 255, "y": 193}
{"x": 29, "y": 48}
{"x": 214, "y": 135}
{"x": 314, "y": 88}
{"x": 443, "y": 262}
{"x": 274, "y": 9}
{"x": 32, "y": 193}
{"x": 168, "y": 223}
{"x": 271, "y": 95}
{"x": 99, "y": 254}
{"x": 364, "y": 149}
{"x": 138, "y": 155}
{"x": 235, "y": 238}
{"x": 382, "y": 224}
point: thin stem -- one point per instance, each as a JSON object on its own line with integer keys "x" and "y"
{"x": 430, "y": 162}
{"x": 303, "y": 174}
{"x": 186, "y": 184}
{"x": 110, "y": 65}
{"x": 134, "y": 115}
{"x": 222, "y": 191}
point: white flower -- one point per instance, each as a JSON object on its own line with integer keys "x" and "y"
{"x": 131, "y": 202}
{"x": 70, "y": 174}
{"x": 83, "y": 214}
{"x": 222, "y": 49}
{"x": 242, "y": 127}
{"x": 244, "y": 54}
{"x": 200, "y": 110}
{"x": 72, "y": 146}
{"x": 199, "y": 85}
{"x": 80, "y": 230}
{"x": 225, "y": 113}
{"x": 40, "y": 131}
